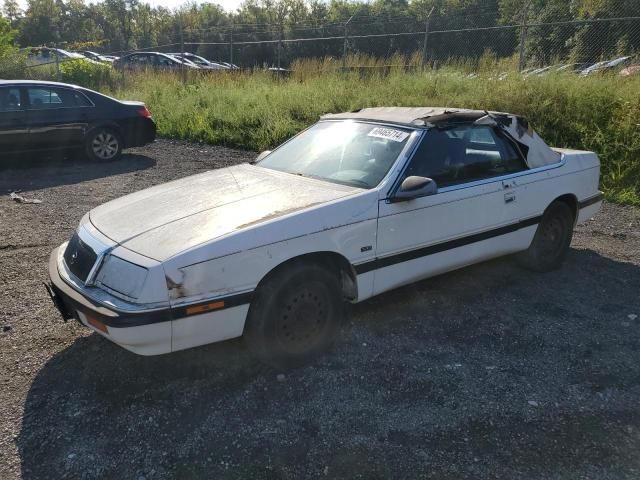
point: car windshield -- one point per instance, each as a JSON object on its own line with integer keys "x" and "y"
{"x": 65, "y": 53}
{"x": 197, "y": 60}
{"x": 347, "y": 152}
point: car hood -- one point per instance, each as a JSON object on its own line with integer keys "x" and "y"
{"x": 164, "y": 220}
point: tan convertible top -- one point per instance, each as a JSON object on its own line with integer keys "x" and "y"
{"x": 414, "y": 116}
{"x": 538, "y": 153}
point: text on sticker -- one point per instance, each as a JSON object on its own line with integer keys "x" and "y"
{"x": 389, "y": 134}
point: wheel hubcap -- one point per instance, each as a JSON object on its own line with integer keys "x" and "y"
{"x": 302, "y": 319}
{"x": 105, "y": 145}
{"x": 552, "y": 235}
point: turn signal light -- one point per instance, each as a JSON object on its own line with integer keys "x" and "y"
{"x": 205, "y": 308}
{"x": 97, "y": 324}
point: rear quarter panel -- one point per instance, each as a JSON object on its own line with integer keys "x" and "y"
{"x": 577, "y": 174}
{"x": 134, "y": 129}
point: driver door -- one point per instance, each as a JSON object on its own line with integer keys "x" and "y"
{"x": 472, "y": 217}
{"x": 13, "y": 121}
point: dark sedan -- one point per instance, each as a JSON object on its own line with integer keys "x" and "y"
{"x": 47, "y": 116}
{"x": 143, "y": 61}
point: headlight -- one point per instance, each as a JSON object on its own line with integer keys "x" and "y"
{"x": 121, "y": 276}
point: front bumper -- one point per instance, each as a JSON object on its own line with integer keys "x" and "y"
{"x": 143, "y": 332}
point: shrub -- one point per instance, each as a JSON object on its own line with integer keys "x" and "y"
{"x": 86, "y": 73}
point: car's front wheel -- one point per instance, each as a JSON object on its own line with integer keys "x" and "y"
{"x": 551, "y": 242}
{"x": 103, "y": 145}
{"x": 295, "y": 314}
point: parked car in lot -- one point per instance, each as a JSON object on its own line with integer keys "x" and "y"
{"x": 97, "y": 56}
{"x": 152, "y": 61}
{"x": 47, "y": 116}
{"x": 200, "y": 61}
{"x": 540, "y": 72}
{"x": 559, "y": 68}
{"x": 231, "y": 66}
{"x": 279, "y": 71}
{"x": 572, "y": 67}
{"x": 606, "y": 66}
{"x": 358, "y": 204}
{"x": 186, "y": 61}
{"x": 46, "y": 55}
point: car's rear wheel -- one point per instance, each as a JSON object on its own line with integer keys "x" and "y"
{"x": 551, "y": 242}
{"x": 103, "y": 145}
{"x": 294, "y": 315}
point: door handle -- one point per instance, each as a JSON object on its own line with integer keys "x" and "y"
{"x": 509, "y": 197}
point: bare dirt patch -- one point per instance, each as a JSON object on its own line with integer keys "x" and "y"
{"x": 488, "y": 372}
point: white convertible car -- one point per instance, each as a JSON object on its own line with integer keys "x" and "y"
{"x": 358, "y": 204}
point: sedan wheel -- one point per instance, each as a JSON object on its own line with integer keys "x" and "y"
{"x": 302, "y": 317}
{"x": 104, "y": 145}
{"x": 295, "y": 315}
{"x": 552, "y": 239}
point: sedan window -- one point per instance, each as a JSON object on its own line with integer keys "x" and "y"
{"x": 162, "y": 60}
{"x": 464, "y": 154}
{"x": 347, "y": 152}
{"x": 43, "y": 98}
{"x": 46, "y": 98}
{"x": 9, "y": 99}
{"x": 139, "y": 59}
{"x": 81, "y": 100}
{"x": 197, "y": 60}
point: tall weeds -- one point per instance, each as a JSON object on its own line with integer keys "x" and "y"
{"x": 258, "y": 111}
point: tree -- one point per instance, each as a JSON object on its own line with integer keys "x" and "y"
{"x": 41, "y": 24}
{"x": 122, "y": 25}
{"x": 11, "y": 11}
{"x": 7, "y": 35}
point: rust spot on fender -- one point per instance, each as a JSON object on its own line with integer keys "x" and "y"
{"x": 177, "y": 287}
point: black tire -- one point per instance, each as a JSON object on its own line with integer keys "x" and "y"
{"x": 103, "y": 145}
{"x": 551, "y": 242}
{"x": 295, "y": 315}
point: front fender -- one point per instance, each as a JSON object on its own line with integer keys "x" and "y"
{"x": 242, "y": 271}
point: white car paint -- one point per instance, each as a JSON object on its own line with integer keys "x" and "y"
{"x": 203, "y": 244}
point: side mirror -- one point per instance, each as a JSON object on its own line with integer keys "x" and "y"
{"x": 416, "y": 187}
{"x": 262, "y": 155}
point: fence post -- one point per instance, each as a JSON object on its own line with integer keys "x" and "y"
{"x": 57, "y": 62}
{"x": 231, "y": 46}
{"x": 279, "y": 45}
{"x": 346, "y": 43}
{"x": 426, "y": 39}
{"x": 344, "y": 49}
{"x": 523, "y": 36}
{"x": 183, "y": 67}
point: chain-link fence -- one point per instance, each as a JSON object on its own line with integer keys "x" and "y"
{"x": 436, "y": 40}
{"x": 413, "y": 42}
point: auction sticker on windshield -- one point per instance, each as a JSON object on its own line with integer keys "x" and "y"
{"x": 389, "y": 134}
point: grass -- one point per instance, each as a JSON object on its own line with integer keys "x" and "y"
{"x": 257, "y": 111}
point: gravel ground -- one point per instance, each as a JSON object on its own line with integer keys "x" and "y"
{"x": 488, "y": 372}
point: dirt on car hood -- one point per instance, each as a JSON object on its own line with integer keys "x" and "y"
{"x": 164, "y": 220}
